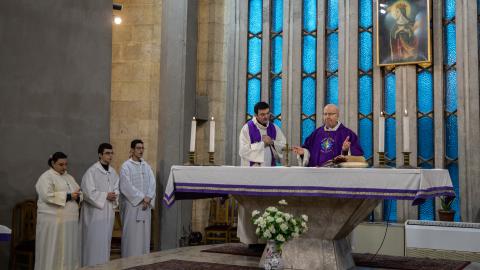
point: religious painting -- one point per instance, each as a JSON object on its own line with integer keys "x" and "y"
{"x": 403, "y": 32}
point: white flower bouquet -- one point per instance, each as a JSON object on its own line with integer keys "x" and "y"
{"x": 278, "y": 226}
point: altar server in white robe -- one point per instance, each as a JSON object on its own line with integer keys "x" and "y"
{"x": 100, "y": 191}
{"x": 57, "y": 244}
{"x": 137, "y": 198}
{"x": 261, "y": 144}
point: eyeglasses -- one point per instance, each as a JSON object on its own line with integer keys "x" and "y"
{"x": 264, "y": 114}
{"x": 108, "y": 153}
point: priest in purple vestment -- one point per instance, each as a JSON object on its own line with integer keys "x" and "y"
{"x": 329, "y": 142}
{"x": 261, "y": 143}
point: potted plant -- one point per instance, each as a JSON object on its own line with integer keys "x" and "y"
{"x": 446, "y": 213}
{"x": 277, "y": 227}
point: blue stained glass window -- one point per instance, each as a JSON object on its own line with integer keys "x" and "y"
{"x": 425, "y": 138}
{"x": 451, "y": 137}
{"x": 365, "y": 81}
{"x": 451, "y": 91}
{"x": 426, "y": 211}
{"x": 255, "y": 16}
{"x": 309, "y": 62}
{"x": 365, "y": 129}
{"x": 449, "y": 9}
{"x": 365, "y": 59}
{"x": 390, "y": 139}
{"x": 425, "y": 131}
{"x": 253, "y": 94}
{"x": 308, "y": 126}
{"x": 450, "y": 44}
{"x": 332, "y": 52}
{"x": 425, "y": 91}
{"x": 277, "y": 15}
{"x": 365, "y": 94}
{"x": 332, "y": 90}
{"x": 254, "y": 55}
{"x": 309, "y": 15}
{"x": 277, "y": 47}
{"x": 309, "y": 66}
{"x": 390, "y": 210}
{"x": 277, "y": 99}
{"x": 365, "y": 9}
{"x": 453, "y": 170}
{"x": 451, "y": 127}
{"x": 390, "y": 82}
{"x": 308, "y": 96}
{"x": 332, "y": 14}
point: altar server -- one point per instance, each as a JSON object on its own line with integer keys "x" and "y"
{"x": 100, "y": 190}
{"x": 57, "y": 244}
{"x": 137, "y": 198}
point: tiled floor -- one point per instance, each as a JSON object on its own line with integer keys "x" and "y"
{"x": 195, "y": 254}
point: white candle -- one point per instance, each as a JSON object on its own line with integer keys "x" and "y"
{"x": 193, "y": 133}
{"x": 211, "y": 146}
{"x": 406, "y": 132}
{"x": 381, "y": 133}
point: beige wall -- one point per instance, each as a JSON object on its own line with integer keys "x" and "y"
{"x": 135, "y": 82}
{"x": 135, "y": 78}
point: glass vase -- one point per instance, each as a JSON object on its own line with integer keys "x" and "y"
{"x": 273, "y": 256}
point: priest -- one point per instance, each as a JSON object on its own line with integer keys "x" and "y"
{"x": 261, "y": 144}
{"x": 328, "y": 143}
{"x": 100, "y": 191}
{"x": 261, "y": 141}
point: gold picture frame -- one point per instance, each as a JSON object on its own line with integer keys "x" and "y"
{"x": 403, "y": 34}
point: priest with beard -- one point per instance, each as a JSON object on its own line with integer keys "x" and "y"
{"x": 261, "y": 144}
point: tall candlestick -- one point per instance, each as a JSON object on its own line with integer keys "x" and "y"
{"x": 381, "y": 133}
{"x": 193, "y": 134}
{"x": 211, "y": 146}
{"x": 406, "y": 132}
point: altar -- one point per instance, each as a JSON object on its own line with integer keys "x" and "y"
{"x": 336, "y": 200}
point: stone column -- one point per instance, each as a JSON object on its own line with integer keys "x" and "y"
{"x": 348, "y": 63}
{"x": 406, "y": 98}
{"x": 177, "y": 106}
{"x": 468, "y": 110}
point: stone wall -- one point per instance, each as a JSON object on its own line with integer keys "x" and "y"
{"x": 55, "y": 74}
{"x": 135, "y": 78}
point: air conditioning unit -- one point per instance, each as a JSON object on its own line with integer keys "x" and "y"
{"x": 370, "y": 237}
{"x": 443, "y": 240}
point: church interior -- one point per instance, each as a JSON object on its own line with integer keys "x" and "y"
{"x": 184, "y": 76}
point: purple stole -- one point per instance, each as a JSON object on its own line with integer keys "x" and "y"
{"x": 255, "y": 136}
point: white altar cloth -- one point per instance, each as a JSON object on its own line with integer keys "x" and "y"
{"x": 369, "y": 183}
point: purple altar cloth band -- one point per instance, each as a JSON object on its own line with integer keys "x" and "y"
{"x": 418, "y": 196}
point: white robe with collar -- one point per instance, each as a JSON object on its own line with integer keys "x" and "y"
{"x": 262, "y": 156}
{"x": 98, "y": 213}
{"x": 257, "y": 152}
{"x": 57, "y": 244}
{"x": 136, "y": 182}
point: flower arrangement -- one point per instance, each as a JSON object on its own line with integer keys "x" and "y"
{"x": 278, "y": 226}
